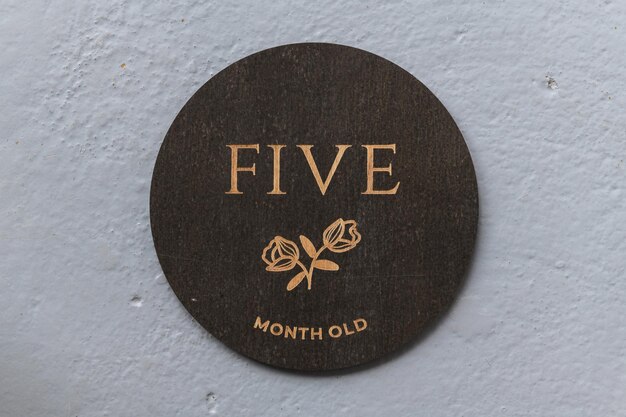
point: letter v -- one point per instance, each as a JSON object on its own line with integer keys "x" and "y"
{"x": 323, "y": 185}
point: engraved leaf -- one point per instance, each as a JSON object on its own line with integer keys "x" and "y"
{"x": 308, "y": 246}
{"x": 326, "y": 265}
{"x": 296, "y": 280}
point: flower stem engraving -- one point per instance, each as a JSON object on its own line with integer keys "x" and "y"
{"x": 283, "y": 255}
{"x": 309, "y": 271}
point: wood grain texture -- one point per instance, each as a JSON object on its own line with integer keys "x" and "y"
{"x": 414, "y": 246}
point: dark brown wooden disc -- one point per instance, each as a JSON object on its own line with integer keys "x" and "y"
{"x": 351, "y": 220}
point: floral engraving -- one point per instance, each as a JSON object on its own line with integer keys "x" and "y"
{"x": 282, "y": 254}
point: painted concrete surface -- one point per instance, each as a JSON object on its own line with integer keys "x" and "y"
{"x": 88, "y": 324}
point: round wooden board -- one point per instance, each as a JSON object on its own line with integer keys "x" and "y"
{"x": 314, "y": 207}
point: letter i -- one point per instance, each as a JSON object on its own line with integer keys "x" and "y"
{"x": 276, "y": 190}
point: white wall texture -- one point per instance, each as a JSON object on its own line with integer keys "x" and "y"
{"x": 88, "y": 324}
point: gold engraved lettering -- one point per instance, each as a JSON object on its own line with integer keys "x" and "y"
{"x": 309, "y": 333}
{"x": 234, "y": 167}
{"x": 323, "y": 185}
{"x": 334, "y": 331}
{"x": 371, "y": 169}
{"x": 263, "y": 326}
{"x": 276, "y": 189}
{"x": 276, "y": 329}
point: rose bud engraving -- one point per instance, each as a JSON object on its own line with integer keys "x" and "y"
{"x": 280, "y": 255}
{"x": 283, "y": 255}
{"x": 337, "y": 240}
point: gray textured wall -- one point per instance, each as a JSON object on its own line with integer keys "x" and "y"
{"x": 88, "y": 324}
